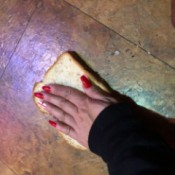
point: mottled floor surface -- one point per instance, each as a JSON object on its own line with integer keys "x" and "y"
{"x": 131, "y": 44}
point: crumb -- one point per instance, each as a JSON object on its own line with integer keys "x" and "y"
{"x": 116, "y": 53}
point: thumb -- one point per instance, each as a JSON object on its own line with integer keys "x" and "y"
{"x": 92, "y": 90}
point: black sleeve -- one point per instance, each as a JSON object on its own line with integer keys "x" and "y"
{"x": 128, "y": 146}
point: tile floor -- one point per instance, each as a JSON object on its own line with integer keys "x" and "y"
{"x": 33, "y": 33}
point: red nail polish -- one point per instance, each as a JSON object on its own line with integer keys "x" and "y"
{"x": 47, "y": 88}
{"x": 85, "y": 81}
{"x": 52, "y": 123}
{"x": 39, "y": 95}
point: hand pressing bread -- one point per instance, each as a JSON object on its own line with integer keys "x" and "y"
{"x": 73, "y": 110}
{"x": 65, "y": 80}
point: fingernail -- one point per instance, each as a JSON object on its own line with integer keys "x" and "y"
{"x": 42, "y": 104}
{"x": 39, "y": 95}
{"x": 52, "y": 123}
{"x": 47, "y": 88}
{"x": 85, "y": 81}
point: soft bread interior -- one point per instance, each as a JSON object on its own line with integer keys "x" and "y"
{"x": 66, "y": 71}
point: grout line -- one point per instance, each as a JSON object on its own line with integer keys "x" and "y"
{"x": 154, "y": 56}
{"x": 9, "y": 167}
{"x": 18, "y": 42}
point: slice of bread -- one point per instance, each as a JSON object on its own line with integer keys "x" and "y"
{"x": 67, "y": 70}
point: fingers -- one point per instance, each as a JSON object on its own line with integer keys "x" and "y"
{"x": 61, "y": 127}
{"x": 95, "y": 92}
{"x": 73, "y": 95}
{"x": 60, "y": 114}
{"x": 60, "y": 103}
{"x": 90, "y": 89}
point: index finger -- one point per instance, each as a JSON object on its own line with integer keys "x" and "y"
{"x": 73, "y": 95}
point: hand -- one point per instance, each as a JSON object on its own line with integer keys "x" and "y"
{"x": 74, "y": 110}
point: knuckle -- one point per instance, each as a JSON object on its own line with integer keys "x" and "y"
{"x": 63, "y": 116}
{"x": 62, "y": 102}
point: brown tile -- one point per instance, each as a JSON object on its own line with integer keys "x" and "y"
{"x": 14, "y": 17}
{"x": 52, "y": 31}
{"x": 28, "y": 144}
{"x": 5, "y": 170}
{"x": 145, "y": 23}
